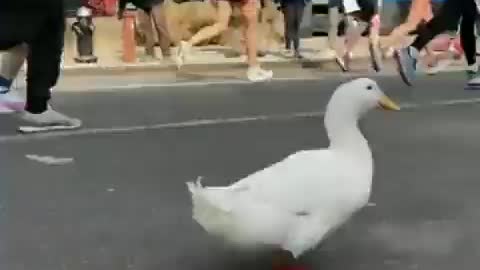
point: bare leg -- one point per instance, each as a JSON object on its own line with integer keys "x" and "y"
{"x": 354, "y": 33}
{"x": 224, "y": 11}
{"x": 398, "y": 34}
{"x": 11, "y": 61}
{"x": 352, "y": 36}
{"x": 334, "y": 19}
{"x": 145, "y": 24}
{"x": 419, "y": 10}
{"x": 249, "y": 12}
{"x": 159, "y": 18}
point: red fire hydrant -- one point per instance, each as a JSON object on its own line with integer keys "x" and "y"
{"x": 128, "y": 36}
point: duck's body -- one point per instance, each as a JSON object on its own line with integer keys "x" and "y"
{"x": 295, "y": 203}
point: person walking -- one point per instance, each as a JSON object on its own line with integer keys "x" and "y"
{"x": 451, "y": 13}
{"x": 40, "y": 25}
{"x": 153, "y": 10}
{"x": 248, "y": 9}
{"x": 293, "y": 11}
{"x": 334, "y": 10}
{"x": 362, "y": 15}
{"x": 420, "y": 12}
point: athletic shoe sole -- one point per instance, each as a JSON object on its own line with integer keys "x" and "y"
{"x": 401, "y": 68}
{"x": 341, "y": 63}
{"x": 472, "y": 86}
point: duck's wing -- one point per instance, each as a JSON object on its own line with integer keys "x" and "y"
{"x": 298, "y": 183}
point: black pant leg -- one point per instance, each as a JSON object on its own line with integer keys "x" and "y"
{"x": 449, "y": 14}
{"x": 299, "y": 9}
{"x": 43, "y": 61}
{"x": 289, "y": 15}
{"x": 467, "y": 30}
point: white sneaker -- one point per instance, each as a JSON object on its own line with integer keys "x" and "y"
{"x": 50, "y": 118}
{"x": 10, "y": 101}
{"x": 257, "y": 74}
{"x": 440, "y": 66}
{"x": 473, "y": 77}
{"x": 287, "y": 53}
{"x": 182, "y": 53}
{"x": 473, "y": 84}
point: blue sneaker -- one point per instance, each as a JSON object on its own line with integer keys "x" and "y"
{"x": 407, "y": 64}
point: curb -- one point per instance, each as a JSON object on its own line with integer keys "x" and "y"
{"x": 105, "y": 70}
{"x": 326, "y": 64}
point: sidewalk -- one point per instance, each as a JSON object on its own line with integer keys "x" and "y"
{"x": 213, "y": 57}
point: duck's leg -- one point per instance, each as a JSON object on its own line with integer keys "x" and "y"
{"x": 283, "y": 260}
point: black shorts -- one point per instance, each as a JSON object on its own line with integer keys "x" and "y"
{"x": 335, "y": 4}
{"x": 368, "y": 8}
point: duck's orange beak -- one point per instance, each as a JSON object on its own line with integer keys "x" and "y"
{"x": 387, "y": 104}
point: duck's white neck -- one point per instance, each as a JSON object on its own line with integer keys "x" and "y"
{"x": 341, "y": 123}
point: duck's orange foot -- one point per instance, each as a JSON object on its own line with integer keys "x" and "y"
{"x": 292, "y": 267}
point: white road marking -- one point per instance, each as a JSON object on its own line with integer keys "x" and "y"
{"x": 207, "y": 122}
{"x": 112, "y": 87}
{"x": 49, "y": 160}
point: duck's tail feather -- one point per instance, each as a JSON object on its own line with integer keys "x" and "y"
{"x": 211, "y": 208}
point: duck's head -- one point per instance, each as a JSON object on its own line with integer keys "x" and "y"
{"x": 348, "y": 104}
{"x": 360, "y": 96}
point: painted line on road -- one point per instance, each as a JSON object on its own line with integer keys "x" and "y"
{"x": 207, "y": 122}
{"x": 179, "y": 84}
{"x": 110, "y": 88}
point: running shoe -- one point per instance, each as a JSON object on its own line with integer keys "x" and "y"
{"x": 257, "y": 74}
{"x": 50, "y": 118}
{"x": 455, "y": 50}
{"x": 10, "y": 101}
{"x": 344, "y": 61}
{"x": 407, "y": 64}
{"x": 298, "y": 55}
{"x": 439, "y": 66}
{"x": 473, "y": 78}
{"x": 182, "y": 54}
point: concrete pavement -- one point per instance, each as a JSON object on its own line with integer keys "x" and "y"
{"x": 123, "y": 203}
{"x": 214, "y": 57}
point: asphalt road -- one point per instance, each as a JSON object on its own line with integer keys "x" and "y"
{"x": 123, "y": 203}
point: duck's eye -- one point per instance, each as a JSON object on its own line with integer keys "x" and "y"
{"x": 370, "y": 87}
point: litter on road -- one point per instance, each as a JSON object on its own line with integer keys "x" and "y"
{"x": 49, "y": 160}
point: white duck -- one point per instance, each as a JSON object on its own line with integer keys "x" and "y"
{"x": 295, "y": 203}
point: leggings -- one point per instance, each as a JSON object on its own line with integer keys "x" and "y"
{"x": 293, "y": 12}
{"x": 450, "y": 14}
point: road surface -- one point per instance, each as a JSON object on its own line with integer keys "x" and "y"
{"x": 123, "y": 204}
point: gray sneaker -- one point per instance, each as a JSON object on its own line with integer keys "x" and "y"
{"x": 473, "y": 81}
{"x": 375, "y": 55}
{"x": 407, "y": 64}
{"x": 50, "y": 118}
